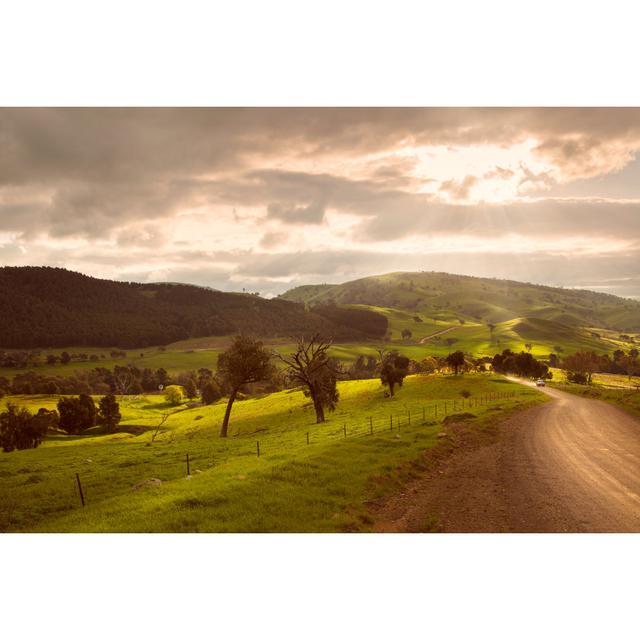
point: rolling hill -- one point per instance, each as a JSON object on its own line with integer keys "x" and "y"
{"x": 444, "y": 297}
{"x": 51, "y": 307}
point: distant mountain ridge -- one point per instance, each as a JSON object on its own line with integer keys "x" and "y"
{"x": 449, "y": 296}
{"x": 53, "y": 307}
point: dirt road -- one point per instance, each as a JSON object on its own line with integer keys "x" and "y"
{"x": 570, "y": 465}
{"x": 437, "y": 333}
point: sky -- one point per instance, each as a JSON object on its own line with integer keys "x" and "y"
{"x": 265, "y": 199}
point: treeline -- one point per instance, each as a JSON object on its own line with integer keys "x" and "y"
{"x": 51, "y": 307}
{"x": 522, "y": 364}
{"x": 20, "y": 429}
{"x": 581, "y": 366}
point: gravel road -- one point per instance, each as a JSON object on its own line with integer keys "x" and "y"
{"x": 570, "y": 465}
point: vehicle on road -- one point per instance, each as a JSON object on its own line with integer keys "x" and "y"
{"x": 540, "y": 382}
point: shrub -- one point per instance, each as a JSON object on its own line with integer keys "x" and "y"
{"x": 174, "y": 395}
{"x": 577, "y": 377}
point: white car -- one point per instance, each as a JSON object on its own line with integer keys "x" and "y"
{"x": 539, "y": 382}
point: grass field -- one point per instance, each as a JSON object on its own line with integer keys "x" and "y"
{"x": 291, "y": 486}
{"x": 471, "y": 337}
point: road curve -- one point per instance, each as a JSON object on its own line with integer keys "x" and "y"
{"x": 570, "y": 465}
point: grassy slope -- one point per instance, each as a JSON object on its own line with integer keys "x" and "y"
{"x": 616, "y": 389}
{"x": 446, "y": 296}
{"x": 292, "y": 486}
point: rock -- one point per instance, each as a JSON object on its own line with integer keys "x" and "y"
{"x": 398, "y": 436}
{"x": 151, "y": 482}
{"x": 198, "y": 418}
{"x": 88, "y": 460}
{"x": 442, "y": 434}
{"x": 188, "y": 477}
{"x": 241, "y": 477}
{"x": 198, "y": 471}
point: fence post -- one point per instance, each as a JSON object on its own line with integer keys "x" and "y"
{"x": 371, "y": 423}
{"x": 391, "y": 422}
{"x": 307, "y": 437}
{"x": 409, "y": 417}
{"x": 436, "y": 410}
{"x": 80, "y": 488}
{"x": 258, "y": 447}
{"x": 423, "y": 416}
{"x": 188, "y": 471}
{"x": 344, "y": 428}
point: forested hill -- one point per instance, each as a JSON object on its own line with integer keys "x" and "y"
{"x": 51, "y": 307}
{"x": 449, "y": 296}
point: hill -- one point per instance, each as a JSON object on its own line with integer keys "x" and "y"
{"x": 444, "y": 297}
{"x": 51, "y": 307}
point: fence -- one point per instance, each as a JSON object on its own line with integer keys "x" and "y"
{"x": 378, "y": 423}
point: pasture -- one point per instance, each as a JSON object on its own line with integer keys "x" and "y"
{"x": 307, "y": 477}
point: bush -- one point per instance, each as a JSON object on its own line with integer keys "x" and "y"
{"x": 174, "y": 395}
{"x": 465, "y": 393}
{"x": 577, "y": 377}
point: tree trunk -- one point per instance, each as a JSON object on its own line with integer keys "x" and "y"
{"x": 391, "y": 385}
{"x": 317, "y": 405}
{"x": 227, "y": 413}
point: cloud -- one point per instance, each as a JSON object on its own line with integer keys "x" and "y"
{"x": 312, "y": 213}
{"x": 141, "y": 191}
{"x": 459, "y": 189}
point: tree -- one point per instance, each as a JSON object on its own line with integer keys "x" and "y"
{"x": 109, "y": 412}
{"x": 65, "y": 358}
{"x": 528, "y": 346}
{"x": 245, "y": 361}
{"x": 522, "y": 364}
{"x": 191, "y": 388}
{"x": 583, "y": 362}
{"x": 19, "y": 429}
{"x": 311, "y": 367}
{"x": 77, "y": 414}
{"x": 406, "y": 334}
{"x": 173, "y": 394}
{"x": 51, "y": 359}
{"x": 455, "y": 360}
{"x": 394, "y": 368}
{"x": 210, "y": 391}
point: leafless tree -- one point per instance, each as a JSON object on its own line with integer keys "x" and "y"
{"x": 311, "y": 366}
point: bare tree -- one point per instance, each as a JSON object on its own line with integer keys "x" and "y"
{"x": 311, "y": 366}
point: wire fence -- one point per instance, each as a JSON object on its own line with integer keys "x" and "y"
{"x": 376, "y": 423}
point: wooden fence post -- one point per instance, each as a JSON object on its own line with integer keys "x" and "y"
{"x": 80, "y": 489}
{"x": 344, "y": 428}
{"x": 307, "y": 437}
{"x": 258, "y": 447}
{"x": 188, "y": 471}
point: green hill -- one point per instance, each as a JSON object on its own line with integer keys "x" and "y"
{"x": 444, "y": 297}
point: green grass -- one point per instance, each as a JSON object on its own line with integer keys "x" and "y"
{"x": 443, "y": 296}
{"x": 627, "y": 399}
{"x": 292, "y": 486}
